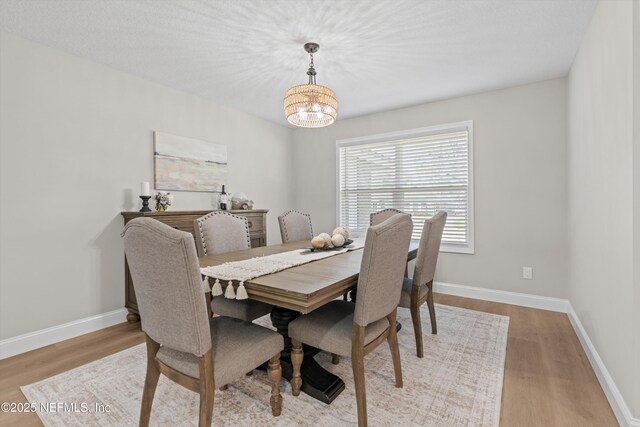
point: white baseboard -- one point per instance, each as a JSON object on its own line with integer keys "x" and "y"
{"x": 615, "y": 398}
{"x": 505, "y": 297}
{"x": 33, "y": 340}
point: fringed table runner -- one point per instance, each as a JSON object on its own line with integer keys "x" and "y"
{"x": 248, "y": 269}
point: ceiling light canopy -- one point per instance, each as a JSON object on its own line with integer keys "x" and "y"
{"x": 311, "y": 105}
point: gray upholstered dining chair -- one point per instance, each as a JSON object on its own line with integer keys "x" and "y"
{"x": 183, "y": 343}
{"x": 419, "y": 290}
{"x": 383, "y": 215}
{"x": 295, "y": 226}
{"x": 346, "y": 328}
{"x": 220, "y": 232}
{"x": 377, "y": 217}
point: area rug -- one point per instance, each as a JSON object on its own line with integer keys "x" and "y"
{"x": 457, "y": 383}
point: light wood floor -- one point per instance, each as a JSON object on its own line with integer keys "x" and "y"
{"x": 548, "y": 380}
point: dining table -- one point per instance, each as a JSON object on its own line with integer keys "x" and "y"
{"x": 299, "y": 290}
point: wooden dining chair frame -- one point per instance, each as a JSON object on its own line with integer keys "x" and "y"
{"x": 414, "y": 308}
{"x": 204, "y": 386}
{"x": 358, "y": 351}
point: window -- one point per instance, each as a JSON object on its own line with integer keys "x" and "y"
{"x": 420, "y": 172}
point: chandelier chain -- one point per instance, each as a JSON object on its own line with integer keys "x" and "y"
{"x": 311, "y": 72}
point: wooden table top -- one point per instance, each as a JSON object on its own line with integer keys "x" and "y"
{"x": 305, "y": 287}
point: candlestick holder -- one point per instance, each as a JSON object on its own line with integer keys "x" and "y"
{"x": 145, "y": 204}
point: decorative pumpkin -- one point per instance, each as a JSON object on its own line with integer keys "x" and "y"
{"x": 326, "y": 238}
{"x": 318, "y": 242}
{"x": 337, "y": 240}
{"x": 341, "y": 230}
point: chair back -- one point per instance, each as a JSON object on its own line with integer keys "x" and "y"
{"x": 220, "y": 232}
{"x": 382, "y": 269}
{"x": 383, "y": 215}
{"x": 166, "y": 278}
{"x": 429, "y": 249}
{"x": 295, "y": 226}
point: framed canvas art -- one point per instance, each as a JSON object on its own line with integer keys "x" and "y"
{"x": 188, "y": 164}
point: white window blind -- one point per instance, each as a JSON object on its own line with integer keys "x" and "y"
{"x": 419, "y": 172}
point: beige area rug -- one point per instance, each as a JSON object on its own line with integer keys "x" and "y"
{"x": 458, "y": 382}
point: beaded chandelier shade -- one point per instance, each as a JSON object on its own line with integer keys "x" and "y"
{"x": 311, "y": 105}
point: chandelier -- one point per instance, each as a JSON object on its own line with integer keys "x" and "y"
{"x": 311, "y": 105}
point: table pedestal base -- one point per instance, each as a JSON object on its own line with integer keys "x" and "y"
{"x": 317, "y": 382}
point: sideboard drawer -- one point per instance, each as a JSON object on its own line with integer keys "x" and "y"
{"x": 256, "y": 223}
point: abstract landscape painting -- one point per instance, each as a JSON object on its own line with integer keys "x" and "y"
{"x": 188, "y": 164}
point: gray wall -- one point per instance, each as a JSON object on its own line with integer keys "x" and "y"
{"x": 636, "y": 203}
{"x": 520, "y": 182}
{"x": 76, "y": 141}
{"x": 602, "y": 217}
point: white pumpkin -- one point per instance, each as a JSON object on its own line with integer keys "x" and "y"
{"x": 341, "y": 230}
{"x": 337, "y": 240}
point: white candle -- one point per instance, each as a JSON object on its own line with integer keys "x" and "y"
{"x": 145, "y": 189}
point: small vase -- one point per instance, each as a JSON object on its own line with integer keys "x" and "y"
{"x": 161, "y": 208}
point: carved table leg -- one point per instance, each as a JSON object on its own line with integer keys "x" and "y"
{"x": 133, "y": 317}
{"x": 280, "y": 318}
{"x": 316, "y": 381}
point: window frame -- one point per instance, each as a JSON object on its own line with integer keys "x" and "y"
{"x": 413, "y": 133}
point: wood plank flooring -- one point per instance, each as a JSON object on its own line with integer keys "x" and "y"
{"x": 548, "y": 379}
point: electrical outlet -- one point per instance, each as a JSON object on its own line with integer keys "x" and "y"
{"x": 527, "y": 273}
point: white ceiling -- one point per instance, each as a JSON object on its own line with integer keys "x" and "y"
{"x": 376, "y": 54}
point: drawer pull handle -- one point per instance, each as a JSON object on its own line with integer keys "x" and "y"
{"x": 250, "y": 224}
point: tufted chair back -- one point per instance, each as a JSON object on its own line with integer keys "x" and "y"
{"x": 383, "y": 215}
{"x": 295, "y": 226}
{"x": 219, "y": 232}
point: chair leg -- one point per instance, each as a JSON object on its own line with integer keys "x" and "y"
{"x": 392, "y": 339}
{"x": 296, "y": 360}
{"x": 207, "y": 391}
{"x": 417, "y": 326}
{"x": 150, "y": 382}
{"x": 357, "y": 364}
{"x": 432, "y": 309}
{"x": 335, "y": 359}
{"x": 274, "y": 372}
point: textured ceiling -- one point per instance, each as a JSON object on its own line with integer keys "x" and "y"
{"x": 376, "y": 54}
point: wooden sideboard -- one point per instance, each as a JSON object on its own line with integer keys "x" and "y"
{"x": 183, "y": 220}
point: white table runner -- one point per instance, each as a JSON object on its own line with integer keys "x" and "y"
{"x": 260, "y": 266}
